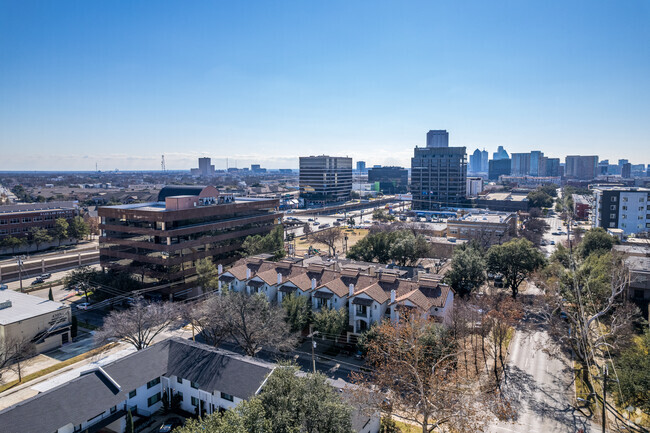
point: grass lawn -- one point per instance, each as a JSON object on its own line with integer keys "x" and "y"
{"x": 408, "y": 428}
{"x": 354, "y": 236}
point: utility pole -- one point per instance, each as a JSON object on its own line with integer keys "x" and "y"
{"x": 19, "y": 262}
{"x": 313, "y": 346}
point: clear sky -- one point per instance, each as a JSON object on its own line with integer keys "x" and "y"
{"x": 122, "y": 82}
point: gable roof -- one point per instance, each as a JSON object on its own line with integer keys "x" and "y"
{"x": 90, "y": 394}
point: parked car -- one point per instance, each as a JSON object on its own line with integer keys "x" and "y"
{"x": 170, "y": 424}
{"x": 310, "y": 219}
{"x": 83, "y": 306}
{"x": 46, "y": 276}
{"x": 3, "y": 287}
{"x": 316, "y": 223}
{"x": 38, "y": 280}
{"x": 552, "y": 242}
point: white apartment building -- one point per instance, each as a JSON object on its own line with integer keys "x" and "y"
{"x": 622, "y": 208}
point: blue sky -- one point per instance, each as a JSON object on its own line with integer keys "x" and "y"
{"x": 121, "y": 82}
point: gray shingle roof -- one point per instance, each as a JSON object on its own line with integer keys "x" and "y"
{"x": 90, "y": 394}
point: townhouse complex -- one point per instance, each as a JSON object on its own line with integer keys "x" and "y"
{"x": 369, "y": 292}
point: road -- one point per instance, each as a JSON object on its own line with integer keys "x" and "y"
{"x": 58, "y": 291}
{"x": 540, "y": 386}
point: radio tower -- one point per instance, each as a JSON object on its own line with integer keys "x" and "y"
{"x": 162, "y": 163}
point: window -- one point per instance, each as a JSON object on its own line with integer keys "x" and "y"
{"x": 114, "y": 409}
{"x": 227, "y": 396}
{"x": 14, "y": 221}
{"x": 133, "y": 393}
{"x": 612, "y": 207}
{"x": 3, "y": 222}
{"x": 194, "y": 385}
{"x": 37, "y": 219}
{"x": 195, "y": 401}
{"x": 27, "y": 220}
{"x": 3, "y": 232}
{"x": 179, "y": 380}
{"x": 624, "y": 216}
{"x": 613, "y": 199}
{"x": 612, "y": 224}
{"x": 153, "y": 399}
{"x": 153, "y": 383}
{"x": 612, "y": 216}
{"x": 641, "y": 208}
{"x": 180, "y": 394}
{"x": 624, "y": 207}
{"x": 641, "y": 199}
{"x": 625, "y": 199}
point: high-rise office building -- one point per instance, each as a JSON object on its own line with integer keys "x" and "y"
{"x": 520, "y": 164}
{"x": 205, "y": 168}
{"x": 484, "y": 161}
{"x": 552, "y": 167}
{"x": 537, "y": 163}
{"x": 438, "y": 174}
{"x": 438, "y": 138}
{"x": 361, "y": 167}
{"x": 626, "y": 170}
{"x": 389, "y": 180}
{"x": 325, "y": 179}
{"x": 499, "y": 167}
{"x": 478, "y": 161}
{"x": 581, "y": 167}
{"x": 500, "y": 153}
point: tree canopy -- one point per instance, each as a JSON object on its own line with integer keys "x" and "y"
{"x": 401, "y": 246}
{"x": 540, "y": 199}
{"x": 467, "y": 270}
{"x": 515, "y": 260}
{"x": 288, "y": 402}
{"x": 595, "y": 240}
{"x": 272, "y": 243}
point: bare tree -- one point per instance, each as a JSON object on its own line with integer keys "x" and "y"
{"x": 206, "y": 318}
{"x": 415, "y": 376}
{"x": 140, "y": 324}
{"x": 586, "y": 310}
{"x": 13, "y": 354}
{"x": 330, "y": 237}
{"x": 253, "y": 322}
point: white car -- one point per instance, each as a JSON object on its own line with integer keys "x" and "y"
{"x": 83, "y": 305}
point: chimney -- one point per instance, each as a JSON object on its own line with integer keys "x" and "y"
{"x": 351, "y": 288}
{"x": 392, "y": 296}
{"x": 279, "y": 278}
{"x": 313, "y": 283}
{"x": 219, "y": 269}
{"x": 248, "y": 273}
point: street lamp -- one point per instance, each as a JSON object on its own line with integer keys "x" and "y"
{"x": 19, "y": 262}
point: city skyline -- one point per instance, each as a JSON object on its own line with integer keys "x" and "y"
{"x": 120, "y": 84}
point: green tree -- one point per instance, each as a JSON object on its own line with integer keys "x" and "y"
{"x": 78, "y": 229}
{"x": 287, "y": 403}
{"x": 206, "y": 274}
{"x": 467, "y": 270}
{"x": 272, "y": 243}
{"x": 39, "y": 236}
{"x": 60, "y": 230}
{"x": 388, "y": 425}
{"x": 298, "y": 311}
{"x": 13, "y": 243}
{"x": 534, "y": 229}
{"x": 561, "y": 255}
{"x": 50, "y": 296}
{"x": 596, "y": 240}
{"x": 633, "y": 369}
{"x": 515, "y": 260}
{"x": 330, "y": 323}
{"x": 539, "y": 199}
{"x": 129, "y": 422}
{"x": 549, "y": 189}
{"x": 407, "y": 249}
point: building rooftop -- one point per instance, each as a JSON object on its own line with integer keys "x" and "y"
{"x": 638, "y": 264}
{"x": 621, "y": 188}
{"x": 509, "y": 196}
{"x": 91, "y": 393}
{"x": 493, "y": 218}
{"x": 38, "y": 207}
{"x": 24, "y": 306}
{"x": 159, "y": 206}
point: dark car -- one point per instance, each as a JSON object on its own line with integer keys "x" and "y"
{"x": 170, "y": 424}
{"x": 39, "y": 280}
